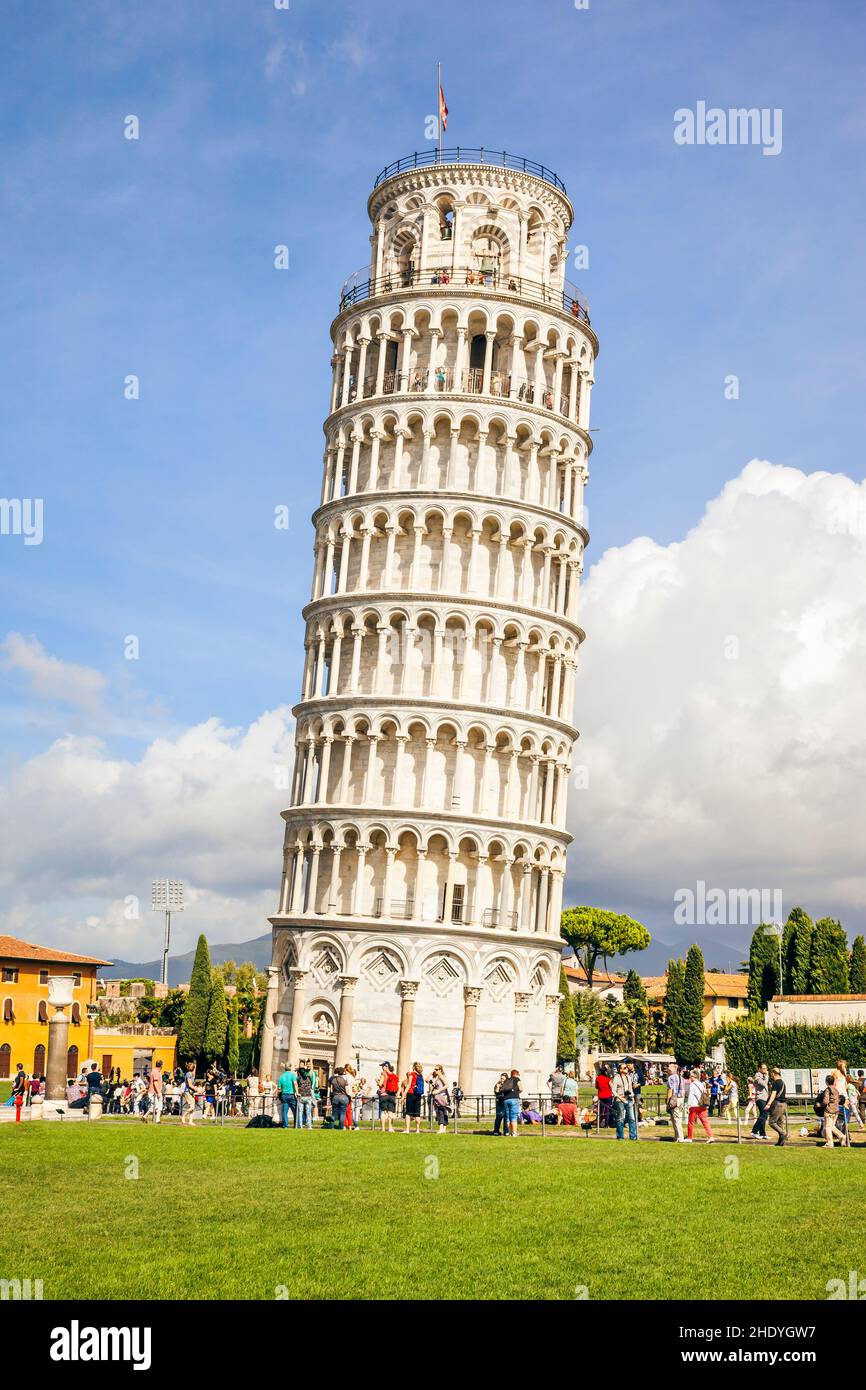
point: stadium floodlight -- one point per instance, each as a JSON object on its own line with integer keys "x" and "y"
{"x": 166, "y": 895}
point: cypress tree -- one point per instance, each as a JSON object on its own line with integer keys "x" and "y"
{"x": 857, "y": 966}
{"x": 763, "y": 969}
{"x": 674, "y": 1004}
{"x": 217, "y": 1023}
{"x": 233, "y": 1041}
{"x": 692, "y": 1040}
{"x": 634, "y": 996}
{"x": 192, "y": 1034}
{"x": 828, "y": 963}
{"x": 798, "y": 950}
{"x": 566, "y": 1037}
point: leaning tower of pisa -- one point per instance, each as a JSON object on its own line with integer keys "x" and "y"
{"x": 425, "y": 840}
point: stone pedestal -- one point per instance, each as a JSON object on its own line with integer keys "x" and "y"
{"x": 58, "y": 1046}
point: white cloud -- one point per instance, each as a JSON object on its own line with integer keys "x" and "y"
{"x": 721, "y": 703}
{"x": 49, "y": 678}
{"x": 81, "y": 831}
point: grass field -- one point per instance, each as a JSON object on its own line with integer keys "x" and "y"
{"x": 258, "y": 1214}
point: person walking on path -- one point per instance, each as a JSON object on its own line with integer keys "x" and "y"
{"x": 19, "y": 1090}
{"x": 413, "y": 1091}
{"x": 604, "y": 1092}
{"x": 339, "y": 1088}
{"x": 623, "y": 1103}
{"x": 751, "y": 1110}
{"x": 828, "y": 1101}
{"x": 777, "y": 1107}
{"x": 287, "y": 1093}
{"x": 438, "y": 1088}
{"x": 304, "y": 1116}
{"x": 698, "y": 1101}
{"x": 762, "y": 1093}
{"x": 511, "y": 1090}
{"x": 388, "y": 1087}
{"x": 187, "y": 1096}
{"x": 499, "y": 1126}
{"x": 674, "y": 1101}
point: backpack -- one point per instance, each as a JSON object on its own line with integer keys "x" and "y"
{"x": 305, "y": 1087}
{"x": 419, "y": 1084}
{"x": 508, "y": 1089}
{"x": 392, "y": 1083}
{"x": 820, "y": 1104}
{"x": 706, "y": 1095}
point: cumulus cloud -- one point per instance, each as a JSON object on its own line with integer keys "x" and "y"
{"x": 720, "y": 699}
{"x": 47, "y": 677}
{"x": 83, "y": 831}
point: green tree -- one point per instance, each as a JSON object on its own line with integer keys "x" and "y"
{"x": 232, "y": 1041}
{"x": 565, "y": 1038}
{"x": 796, "y": 950}
{"x": 192, "y": 1034}
{"x": 828, "y": 962}
{"x": 674, "y": 1004}
{"x": 588, "y": 1016}
{"x": 593, "y": 931}
{"x": 857, "y": 966}
{"x": 616, "y": 1024}
{"x": 635, "y": 999}
{"x": 217, "y": 1023}
{"x": 692, "y": 1043}
{"x": 763, "y": 969}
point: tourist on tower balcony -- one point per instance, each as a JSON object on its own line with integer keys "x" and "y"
{"x": 413, "y": 1091}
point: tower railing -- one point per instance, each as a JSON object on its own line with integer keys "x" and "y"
{"x": 361, "y": 286}
{"x": 461, "y": 154}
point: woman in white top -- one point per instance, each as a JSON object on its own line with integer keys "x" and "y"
{"x": 697, "y": 1103}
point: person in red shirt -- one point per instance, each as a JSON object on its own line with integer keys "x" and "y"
{"x": 605, "y": 1096}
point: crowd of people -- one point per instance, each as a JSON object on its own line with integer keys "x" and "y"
{"x": 692, "y": 1098}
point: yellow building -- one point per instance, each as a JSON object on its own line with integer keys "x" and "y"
{"x": 24, "y": 973}
{"x": 725, "y": 996}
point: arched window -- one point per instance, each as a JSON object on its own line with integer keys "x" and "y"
{"x": 8, "y": 1011}
{"x": 39, "y": 1059}
{"x": 76, "y": 1013}
{"x": 5, "y": 1061}
{"x": 72, "y": 1062}
{"x": 477, "y": 350}
{"x": 42, "y": 1012}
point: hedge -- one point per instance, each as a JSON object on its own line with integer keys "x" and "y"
{"x": 792, "y": 1045}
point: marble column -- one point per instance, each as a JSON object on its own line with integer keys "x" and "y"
{"x": 266, "y": 1061}
{"x": 521, "y": 1010}
{"x": 466, "y": 1072}
{"x": 343, "y": 1053}
{"x": 408, "y": 991}
{"x": 299, "y": 999}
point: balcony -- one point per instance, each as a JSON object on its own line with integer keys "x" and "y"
{"x": 360, "y": 286}
{"x": 459, "y": 154}
{"x": 469, "y": 383}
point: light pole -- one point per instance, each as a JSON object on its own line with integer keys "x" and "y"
{"x": 166, "y": 895}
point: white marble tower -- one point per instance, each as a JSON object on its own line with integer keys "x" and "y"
{"x": 424, "y": 847}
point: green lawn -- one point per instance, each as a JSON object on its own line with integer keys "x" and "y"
{"x": 234, "y": 1213}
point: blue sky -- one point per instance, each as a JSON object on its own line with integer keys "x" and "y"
{"x": 261, "y": 126}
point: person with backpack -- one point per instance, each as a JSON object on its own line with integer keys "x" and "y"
{"x": 510, "y": 1091}
{"x": 287, "y": 1096}
{"x": 762, "y": 1093}
{"x": 698, "y": 1103}
{"x": 438, "y": 1087}
{"x": 304, "y": 1082}
{"x": 413, "y": 1091}
{"x": 777, "y": 1107}
{"x": 827, "y": 1108}
{"x": 339, "y": 1088}
{"x": 388, "y": 1086}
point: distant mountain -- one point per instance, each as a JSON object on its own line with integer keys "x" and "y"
{"x": 257, "y": 951}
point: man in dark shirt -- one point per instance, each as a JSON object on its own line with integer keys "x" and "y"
{"x": 94, "y": 1080}
{"x": 777, "y": 1107}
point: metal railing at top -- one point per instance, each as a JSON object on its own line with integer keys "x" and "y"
{"x": 360, "y": 285}
{"x": 460, "y": 154}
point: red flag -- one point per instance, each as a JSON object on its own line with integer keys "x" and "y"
{"x": 443, "y": 109}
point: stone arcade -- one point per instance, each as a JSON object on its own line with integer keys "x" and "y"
{"x": 424, "y": 850}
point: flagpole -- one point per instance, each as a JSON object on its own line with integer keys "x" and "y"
{"x": 439, "y": 106}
